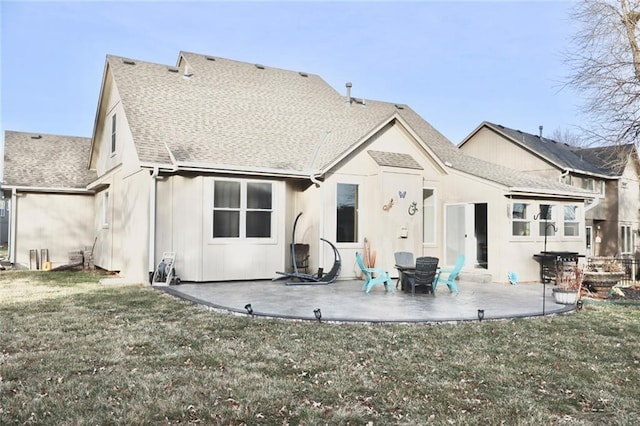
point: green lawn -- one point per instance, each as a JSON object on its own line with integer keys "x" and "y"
{"x": 75, "y": 352}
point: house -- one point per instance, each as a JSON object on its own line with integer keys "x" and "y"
{"x": 611, "y": 173}
{"x": 213, "y": 159}
{"x": 45, "y": 183}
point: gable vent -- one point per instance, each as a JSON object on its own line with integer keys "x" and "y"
{"x": 128, "y": 62}
{"x": 303, "y": 74}
{"x": 210, "y": 58}
{"x": 172, "y": 69}
{"x": 260, "y": 67}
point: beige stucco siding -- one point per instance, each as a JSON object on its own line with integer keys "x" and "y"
{"x": 492, "y": 147}
{"x": 57, "y": 222}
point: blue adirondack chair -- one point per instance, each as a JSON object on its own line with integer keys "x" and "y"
{"x": 450, "y": 275}
{"x": 382, "y": 276}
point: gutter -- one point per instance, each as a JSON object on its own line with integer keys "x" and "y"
{"x": 51, "y": 190}
{"x": 152, "y": 219}
{"x": 14, "y": 223}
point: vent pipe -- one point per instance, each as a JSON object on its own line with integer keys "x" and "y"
{"x": 540, "y": 129}
{"x": 349, "y": 85}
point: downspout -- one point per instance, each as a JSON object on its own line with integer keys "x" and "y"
{"x": 318, "y": 184}
{"x": 14, "y": 223}
{"x": 152, "y": 220}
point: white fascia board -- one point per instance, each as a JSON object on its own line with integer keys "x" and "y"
{"x": 20, "y": 188}
{"x": 550, "y": 193}
{"x": 253, "y": 171}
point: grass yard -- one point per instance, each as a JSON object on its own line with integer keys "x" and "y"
{"x": 75, "y": 352}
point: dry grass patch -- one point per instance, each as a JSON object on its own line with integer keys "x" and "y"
{"x": 76, "y": 352}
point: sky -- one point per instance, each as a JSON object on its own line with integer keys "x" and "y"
{"x": 455, "y": 63}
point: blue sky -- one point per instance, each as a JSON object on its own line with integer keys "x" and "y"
{"x": 455, "y": 63}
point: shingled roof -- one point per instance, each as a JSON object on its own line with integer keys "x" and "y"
{"x": 34, "y": 160}
{"x": 600, "y": 161}
{"x": 217, "y": 113}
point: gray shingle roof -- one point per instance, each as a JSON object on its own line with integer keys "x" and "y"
{"x": 46, "y": 161}
{"x": 394, "y": 159}
{"x": 610, "y": 159}
{"x": 561, "y": 154}
{"x": 236, "y": 115}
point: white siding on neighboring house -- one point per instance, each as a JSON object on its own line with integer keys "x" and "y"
{"x": 59, "y": 223}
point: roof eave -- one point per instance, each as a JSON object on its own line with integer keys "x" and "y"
{"x": 43, "y": 189}
{"x": 228, "y": 169}
{"x": 549, "y": 193}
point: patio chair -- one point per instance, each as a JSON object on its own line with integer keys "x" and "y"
{"x": 450, "y": 276}
{"x": 404, "y": 261}
{"x": 369, "y": 281}
{"x": 425, "y": 274}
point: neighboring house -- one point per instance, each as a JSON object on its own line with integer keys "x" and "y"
{"x": 611, "y": 173}
{"x": 213, "y": 159}
{"x": 45, "y": 180}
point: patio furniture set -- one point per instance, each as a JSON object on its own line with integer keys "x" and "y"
{"x": 424, "y": 272}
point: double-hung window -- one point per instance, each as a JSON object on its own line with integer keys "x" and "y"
{"x": 242, "y": 209}
{"x": 626, "y": 239}
{"x": 571, "y": 221}
{"x": 521, "y": 220}
{"x": 113, "y": 133}
{"x": 547, "y": 220}
{"x": 347, "y": 213}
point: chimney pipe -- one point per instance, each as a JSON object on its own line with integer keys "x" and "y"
{"x": 349, "y": 91}
{"x": 540, "y": 128}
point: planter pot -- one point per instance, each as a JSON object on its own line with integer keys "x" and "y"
{"x": 601, "y": 282}
{"x": 565, "y": 297}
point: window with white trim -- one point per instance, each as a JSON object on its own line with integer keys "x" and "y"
{"x": 521, "y": 219}
{"x": 547, "y": 220}
{"x": 571, "y": 221}
{"x": 105, "y": 210}
{"x": 428, "y": 215}
{"x": 347, "y": 213}
{"x": 242, "y": 209}
{"x": 626, "y": 239}
{"x": 113, "y": 133}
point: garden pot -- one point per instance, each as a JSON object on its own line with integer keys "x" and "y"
{"x": 565, "y": 297}
{"x": 601, "y": 282}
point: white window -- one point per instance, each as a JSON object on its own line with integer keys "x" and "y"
{"x": 428, "y": 216}
{"x": 347, "y": 213}
{"x": 242, "y": 209}
{"x": 113, "y": 133}
{"x": 588, "y": 184}
{"x": 521, "y": 219}
{"x": 626, "y": 239}
{"x": 571, "y": 221}
{"x": 547, "y": 220}
{"x": 105, "y": 210}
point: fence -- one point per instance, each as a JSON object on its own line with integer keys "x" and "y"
{"x": 630, "y": 267}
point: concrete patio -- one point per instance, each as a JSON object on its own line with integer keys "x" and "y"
{"x": 344, "y": 301}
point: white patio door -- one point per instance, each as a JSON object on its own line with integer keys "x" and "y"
{"x": 460, "y": 234}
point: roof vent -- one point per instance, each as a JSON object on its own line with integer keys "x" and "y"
{"x": 349, "y": 86}
{"x": 303, "y": 74}
{"x": 36, "y": 137}
{"x": 172, "y": 69}
{"x": 128, "y": 62}
{"x": 398, "y": 106}
{"x": 260, "y": 67}
{"x": 210, "y": 58}
{"x": 540, "y": 127}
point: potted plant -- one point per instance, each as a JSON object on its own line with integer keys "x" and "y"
{"x": 568, "y": 283}
{"x": 602, "y": 274}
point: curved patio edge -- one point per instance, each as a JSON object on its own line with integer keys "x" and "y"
{"x": 345, "y": 302}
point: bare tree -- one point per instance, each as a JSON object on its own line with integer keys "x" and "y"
{"x": 605, "y": 62}
{"x": 568, "y": 137}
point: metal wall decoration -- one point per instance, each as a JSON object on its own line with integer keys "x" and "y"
{"x": 388, "y": 206}
{"x": 413, "y": 208}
